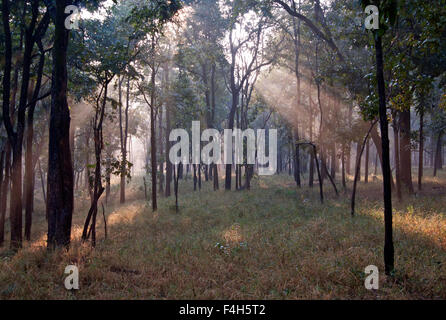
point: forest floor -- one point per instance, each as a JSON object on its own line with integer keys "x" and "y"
{"x": 273, "y": 242}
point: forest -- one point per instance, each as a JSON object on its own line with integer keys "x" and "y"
{"x": 223, "y": 149}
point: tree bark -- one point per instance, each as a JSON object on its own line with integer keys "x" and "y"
{"x": 421, "y": 151}
{"x": 60, "y": 167}
{"x": 387, "y": 192}
{"x": 405, "y": 151}
{"x": 396, "y": 139}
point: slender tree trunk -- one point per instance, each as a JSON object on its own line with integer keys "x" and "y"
{"x": 175, "y": 184}
{"x": 405, "y": 151}
{"x": 123, "y": 126}
{"x": 152, "y": 131}
{"x": 387, "y": 192}
{"x": 297, "y": 159}
{"x": 358, "y": 151}
{"x": 312, "y": 159}
{"x": 195, "y": 176}
{"x": 16, "y": 138}
{"x": 358, "y": 166}
{"x": 396, "y": 138}
{"x": 235, "y": 98}
{"x": 168, "y": 163}
{"x": 29, "y": 165}
{"x": 437, "y": 158}
{"x": 107, "y": 178}
{"x": 321, "y": 184}
{"x": 161, "y": 151}
{"x": 199, "y": 177}
{"x": 296, "y": 30}
{"x": 42, "y": 181}
{"x": 216, "y": 183}
{"x": 98, "y": 189}
{"x": 367, "y": 156}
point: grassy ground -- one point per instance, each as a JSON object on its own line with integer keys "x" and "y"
{"x": 273, "y": 242}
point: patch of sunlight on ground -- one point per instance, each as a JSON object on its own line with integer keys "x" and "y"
{"x": 125, "y": 214}
{"x": 233, "y": 235}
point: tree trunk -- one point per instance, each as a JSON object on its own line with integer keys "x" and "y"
{"x": 16, "y": 138}
{"x": 168, "y": 163}
{"x": 42, "y": 182}
{"x": 367, "y": 156}
{"x": 107, "y": 178}
{"x": 387, "y": 192}
{"x": 358, "y": 151}
{"x": 60, "y": 168}
{"x": 98, "y": 189}
{"x": 437, "y": 159}
{"x": 421, "y": 151}
{"x": 216, "y": 183}
{"x": 123, "y": 126}
{"x": 358, "y": 167}
{"x": 195, "y": 176}
{"x": 296, "y": 40}
{"x": 405, "y": 151}
{"x": 228, "y": 176}
{"x": 4, "y": 191}
{"x": 161, "y": 151}
{"x": 152, "y": 131}
{"x": 396, "y": 138}
{"x": 29, "y": 164}
{"x": 297, "y": 159}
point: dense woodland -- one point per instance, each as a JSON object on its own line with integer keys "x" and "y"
{"x": 89, "y": 102}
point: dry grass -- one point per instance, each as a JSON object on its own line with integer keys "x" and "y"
{"x": 272, "y": 242}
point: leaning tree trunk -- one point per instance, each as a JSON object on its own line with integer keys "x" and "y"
{"x": 98, "y": 189}
{"x": 358, "y": 167}
{"x": 367, "y": 156}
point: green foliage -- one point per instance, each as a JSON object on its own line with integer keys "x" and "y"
{"x": 149, "y": 16}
